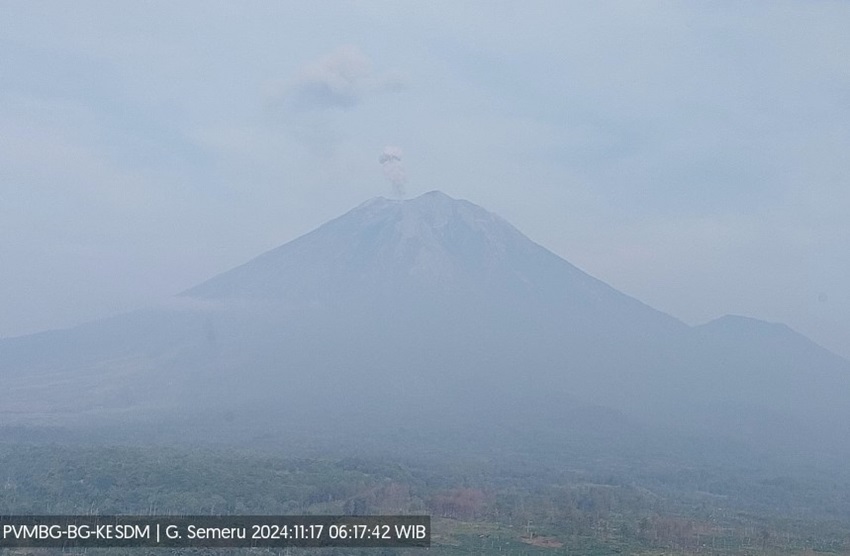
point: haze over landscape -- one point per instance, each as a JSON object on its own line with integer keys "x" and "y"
{"x": 692, "y": 156}
{"x": 567, "y": 278}
{"x": 438, "y": 315}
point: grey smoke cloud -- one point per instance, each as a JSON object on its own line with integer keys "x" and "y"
{"x": 340, "y": 79}
{"x": 393, "y": 168}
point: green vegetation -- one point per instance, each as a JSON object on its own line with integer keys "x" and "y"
{"x": 585, "y": 507}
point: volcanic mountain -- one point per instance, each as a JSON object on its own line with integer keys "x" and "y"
{"x": 431, "y": 309}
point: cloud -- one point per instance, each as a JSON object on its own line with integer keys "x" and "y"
{"x": 339, "y": 80}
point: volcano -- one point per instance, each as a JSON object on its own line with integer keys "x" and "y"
{"x": 423, "y": 310}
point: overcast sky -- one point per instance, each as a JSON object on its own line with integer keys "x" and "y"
{"x": 695, "y": 155}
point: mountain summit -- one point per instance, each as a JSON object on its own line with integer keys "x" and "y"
{"x": 429, "y": 239}
{"x": 425, "y": 249}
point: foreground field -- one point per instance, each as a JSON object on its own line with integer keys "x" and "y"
{"x": 585, "y": 507}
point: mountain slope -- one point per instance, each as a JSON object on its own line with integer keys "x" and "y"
{"x": 745, "y": 360}
{"x": 431, "y": 310}
{"x": 442, "y": 288}
{"x": 428, "y": 246}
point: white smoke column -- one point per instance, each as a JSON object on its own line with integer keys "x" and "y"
{"x": 390, "y": 161}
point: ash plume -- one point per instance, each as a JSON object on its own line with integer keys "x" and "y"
{"x": 393, "y": 169}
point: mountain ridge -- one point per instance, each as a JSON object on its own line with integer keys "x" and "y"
{"x": 429, "y": 307}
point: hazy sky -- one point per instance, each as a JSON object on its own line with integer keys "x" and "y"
{"x": 695, "y": 155}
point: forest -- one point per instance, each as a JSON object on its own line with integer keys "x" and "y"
{"x": 512, "y": 506}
